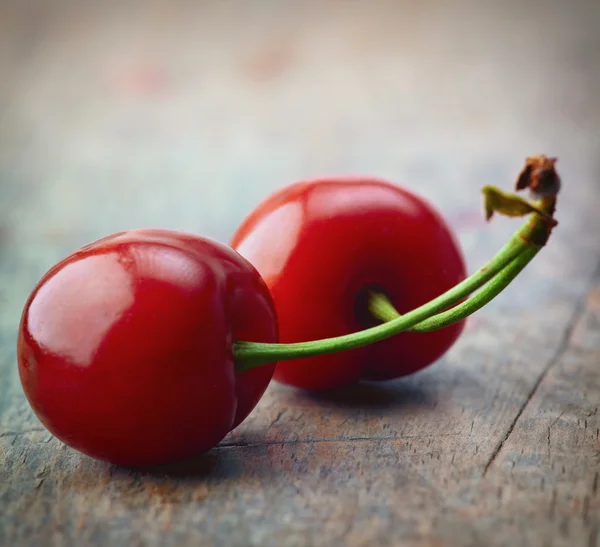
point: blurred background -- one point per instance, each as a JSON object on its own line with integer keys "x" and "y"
{"x": 116, "y": 115}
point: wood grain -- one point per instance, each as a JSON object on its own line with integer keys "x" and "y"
{"x": 185, "y": 116}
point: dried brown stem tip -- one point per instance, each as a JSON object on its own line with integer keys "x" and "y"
{"x": 540, "y": 176}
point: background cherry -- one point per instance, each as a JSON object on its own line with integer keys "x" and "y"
{"x": 321, "y": 244}
{"x": 125, "y": 346}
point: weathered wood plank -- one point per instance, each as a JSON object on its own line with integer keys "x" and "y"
{"x": 549, "y": 462}
{"x": 187, "y": 116}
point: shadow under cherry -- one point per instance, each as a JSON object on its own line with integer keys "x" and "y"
{"x": 370, "y": 396}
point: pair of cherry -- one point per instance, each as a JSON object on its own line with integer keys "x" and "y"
{"x": 148, "y": 346}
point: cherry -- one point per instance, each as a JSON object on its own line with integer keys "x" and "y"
{"x": 322, "y": 246}
{"x": 125, "y": 346}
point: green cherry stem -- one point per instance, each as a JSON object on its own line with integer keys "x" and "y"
{"x": 531, "y": 236}
{"x": 540, "y": 177}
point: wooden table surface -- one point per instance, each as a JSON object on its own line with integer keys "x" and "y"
{"x": 185, "y": 115}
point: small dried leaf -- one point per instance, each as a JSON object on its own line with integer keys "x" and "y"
{"x": 496, "y": 201}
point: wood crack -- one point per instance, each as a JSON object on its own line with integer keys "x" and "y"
{"x": 278, "y": 417}
{"x": 19, "y": 433}
{"x": 234, "y": 444}
{"x": 562, "y": 348}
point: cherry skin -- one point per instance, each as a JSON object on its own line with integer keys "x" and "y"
{"x": 125, "y": 346}
{"x": 320, "y": 245}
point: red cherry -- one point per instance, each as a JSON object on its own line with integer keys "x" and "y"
{"x": 321, "y": 244}
{"x": 125, "y": 346}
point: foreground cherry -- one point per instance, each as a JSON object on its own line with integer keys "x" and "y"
{"x": 125, "y": 346}
{"x": 322, "y": 246}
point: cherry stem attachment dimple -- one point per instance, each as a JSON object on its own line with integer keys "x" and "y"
{"x": 498, "y": 272}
